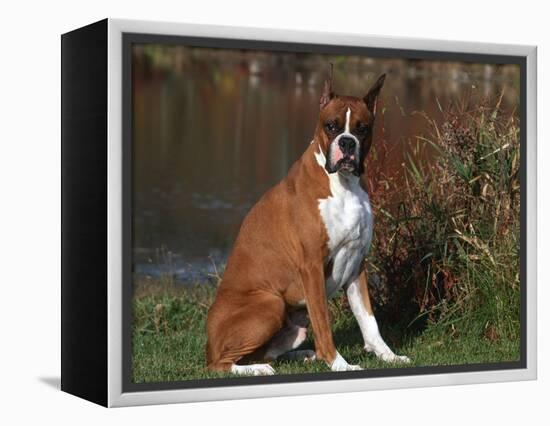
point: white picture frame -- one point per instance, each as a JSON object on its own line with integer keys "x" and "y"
{"x": 115, "y": 393}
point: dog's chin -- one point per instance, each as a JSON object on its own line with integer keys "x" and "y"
{"x": 345, "y": 167}
{"x": 348, "y": 168}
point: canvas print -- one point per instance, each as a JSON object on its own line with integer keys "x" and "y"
{"x": 302, "y": 213}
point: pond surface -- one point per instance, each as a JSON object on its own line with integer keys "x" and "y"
{"x": 213, "y": 131}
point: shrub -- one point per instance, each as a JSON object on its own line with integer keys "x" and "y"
{"x": 446, "y": 246}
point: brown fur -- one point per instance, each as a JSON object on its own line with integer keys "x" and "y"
{"x": 280, "y": 254}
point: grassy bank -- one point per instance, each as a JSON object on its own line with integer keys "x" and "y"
{"x": 444, "y": 266}
{"x": 169, "y": 339}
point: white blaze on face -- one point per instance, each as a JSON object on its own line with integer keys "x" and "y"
{"x": 347, "y": 133}
{"x": 336, "y": 153}
{"x": 348, "y": 116}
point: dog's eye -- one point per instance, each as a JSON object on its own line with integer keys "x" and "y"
{"x": 362, "y": 128}
{"x": 331, "y": 126}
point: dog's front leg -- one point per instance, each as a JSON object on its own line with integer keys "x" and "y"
{"x": 359, "y": 301}
{"x": 317, "y": 306}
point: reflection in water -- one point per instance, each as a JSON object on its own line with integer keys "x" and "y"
{"x": 214, "y": 129}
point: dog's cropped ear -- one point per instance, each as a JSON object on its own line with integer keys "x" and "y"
{"x": 372, "y": 96}
{"x": 328, "y": 93}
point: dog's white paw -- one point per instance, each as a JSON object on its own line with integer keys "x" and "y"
{"x": 354, "y": 367}
{"x": 391, "y": 357}
{"x": 403, "y": 359}
{"x": 253, "y": 370}
{"x": 340, "y": 364}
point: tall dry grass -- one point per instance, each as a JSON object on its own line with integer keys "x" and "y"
{"x": 446, "y": 246}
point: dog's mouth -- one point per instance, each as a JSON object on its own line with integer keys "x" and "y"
{"x": 338, "y": 161}
{"x": 347, "y": 164}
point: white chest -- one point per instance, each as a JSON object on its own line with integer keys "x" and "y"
{"x": 348, "y": 219}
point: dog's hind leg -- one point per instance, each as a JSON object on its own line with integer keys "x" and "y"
{"x": 284, "y": 344}
{"x": 305, "y": 355}
{"x": 251, "y": 323}
{"x": 285, "y": 340}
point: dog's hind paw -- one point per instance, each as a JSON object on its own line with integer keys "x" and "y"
{"x": 305, "y": 355}
{"x": 253, "y": 370}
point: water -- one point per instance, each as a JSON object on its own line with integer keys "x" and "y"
{"x": 213, "y": 130}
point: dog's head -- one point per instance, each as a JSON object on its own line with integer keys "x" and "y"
{"x": 345, "y": 128}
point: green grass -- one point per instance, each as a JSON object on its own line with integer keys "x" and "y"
{"x": 169, "y": 339}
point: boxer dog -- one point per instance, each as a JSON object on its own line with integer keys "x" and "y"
{"x": 304, "y": 240}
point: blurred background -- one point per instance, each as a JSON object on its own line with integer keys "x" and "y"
{"x": 213, "y": 129}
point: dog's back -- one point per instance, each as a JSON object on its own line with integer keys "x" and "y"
{"x": 262, "y": 276}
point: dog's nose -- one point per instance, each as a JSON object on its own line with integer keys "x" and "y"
{"x": 347, "y": 145}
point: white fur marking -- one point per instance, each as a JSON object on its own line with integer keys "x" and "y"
{"x": 347, "y": 133}
{"x": 253, "y": 370}
{"x": 301, "y": 336}
{"x": 369, "y": 327}
{"x": 348, "y": 219}
{"x": 321, "y": 159}
{"x": 301, "y": 303}
{"x": 348, "y": 116}
{"x": 340, "y": 364}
